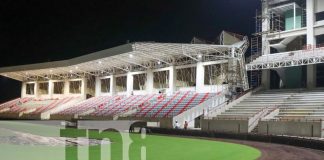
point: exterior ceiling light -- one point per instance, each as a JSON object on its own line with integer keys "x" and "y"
{"x": 76, "y": 67}
{"x": 159, "y": 62}
{"x": 99, "y": 62}
{"x": 199, "y": 56}
{"x": 131, "y": 55}
{"x": 71, "y": 71}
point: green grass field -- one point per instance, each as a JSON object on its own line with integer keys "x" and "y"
{"x": 157, "y": 148}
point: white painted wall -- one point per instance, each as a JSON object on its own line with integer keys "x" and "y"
{"x": 319, "y": 5}
{"x": 292, "y": 128}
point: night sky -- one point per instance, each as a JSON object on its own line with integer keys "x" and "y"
{"x": 48, "y": 30}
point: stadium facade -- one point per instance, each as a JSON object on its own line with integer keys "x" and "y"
{"x": 205, "y": 84}
{"x": 144, "y": 80}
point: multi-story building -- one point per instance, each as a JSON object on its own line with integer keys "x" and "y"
{"x": 287, "y": 49}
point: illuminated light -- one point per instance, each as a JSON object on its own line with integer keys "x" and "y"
{"x": 51, "y": 71}
{"x": 199, "y": 56}
{"x": 130, "y": 55}
{"x": 102, "y": 71}
{"x": 71, "y": 71}
{"x": 76, "y": 67}
{"x": 159, "y": 62}
{"x": 99, "y": 62}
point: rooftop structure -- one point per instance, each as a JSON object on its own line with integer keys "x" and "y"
{"x": 140, "y": 67}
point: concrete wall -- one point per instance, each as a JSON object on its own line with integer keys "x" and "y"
{"x": 293, "y": 128}
{"x": 233, "y": 126}
{"x": 319, "y": 6}
{"x": 166, "y": 123}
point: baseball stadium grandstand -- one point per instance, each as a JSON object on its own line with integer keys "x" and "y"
{"x": 158, "y": 82}
{"x": 207, "y": 84}
{"x": 205, "y": 88}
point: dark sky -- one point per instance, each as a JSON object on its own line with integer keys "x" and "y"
{"x": 47, "y": 30}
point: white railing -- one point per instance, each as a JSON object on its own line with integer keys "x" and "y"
{"x": 201, "y": 109}
{"x": 254, "y": 121}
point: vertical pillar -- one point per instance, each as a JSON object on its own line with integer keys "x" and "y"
{"x": 311, "y": 41}
{"x": 50, "y": 88}
{"x": 294, "y": 15}
{"x": 149, "y": 81}
{"x": 112, "y": 85}
{"x": 129, "y": 83}
{"x": 172, "y": 79}
{"x": 84, "y": 88}
{"x": 310, "y": 18}
{"x": 265, "y": 79}
{"x": 233, "y": 52}
{"x": 66, "y": 87}
{"x": 36, "y": 93}
{"x": 311, "y": 76}
{"x": 265, "y": 28}
{"x": 23, "y": 89}
{"x": 98, "y": 87}
{"x": 200, "y": 77}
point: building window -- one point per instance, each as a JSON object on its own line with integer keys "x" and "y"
{"x": 30, "y": 88}
{"x": 75, "y": 87}
{"x": 139, "y": 82}
{"x": 121, "y": 84}
{"x": 320, "y": 16}
{"x": 58, "y": 87}
{"x": 43, "y": 88}
{"x": 105, "y": 85}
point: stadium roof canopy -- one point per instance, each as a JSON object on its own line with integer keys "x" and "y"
{"x": 121, "y": 59}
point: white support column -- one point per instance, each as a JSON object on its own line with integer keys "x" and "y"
{"x": 50, "y": 88}
{"x": 149, "y": 81}
{"x": 66, "y": 87}
{"x": 36, "y": 90}
{"x": 294, "y": 15}
{"x": 265, "y": 28}
{"x": 172, "y": 79}
{"x": 265, "y": 79}
{"x": 84, "y": 87}
{"x": 98, "y": 87}
{"x": 23, "y": 89}
{"x": 311, "y": 76}
{"x": 200, "y": 77}
{"x": 311, "y": 40}
{"x": 112, "y": 85}
{"x": 310, "y": 18}
{"x": 129, "y": 83}
{"x": 233, "y": 52}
